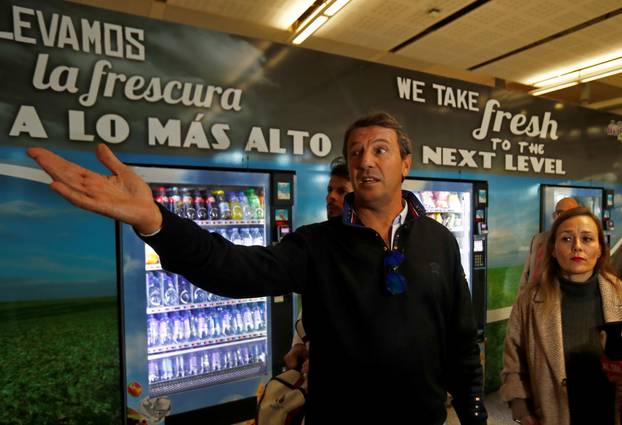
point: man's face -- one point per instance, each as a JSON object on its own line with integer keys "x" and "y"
{"x": 577, "y": 248}
{"x": 376, "y": 167}
{"x": 564, "y": 205}
{"x": 338, "y": 188}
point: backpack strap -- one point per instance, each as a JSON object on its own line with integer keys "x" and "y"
{"x": 300, "y": 330}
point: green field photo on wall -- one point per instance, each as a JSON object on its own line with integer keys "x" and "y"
{"x": 60, "y": 362}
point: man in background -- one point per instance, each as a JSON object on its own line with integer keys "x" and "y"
{"x": 338, "y": 187}
{"x": 533, "y": 264}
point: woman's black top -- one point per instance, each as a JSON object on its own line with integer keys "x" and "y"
{"x": 590, "y": 394}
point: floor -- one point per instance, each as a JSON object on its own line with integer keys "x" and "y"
{"x": 498, "y": 412}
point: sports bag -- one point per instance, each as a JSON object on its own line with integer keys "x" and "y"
{"x": 283, "y": 400}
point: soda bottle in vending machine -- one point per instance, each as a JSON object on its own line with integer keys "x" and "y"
{"x": 188, "y": 205}
{"x": 234, "y": 204}
{"x": 213, "y": 212}
{"x": 223, "y": 205}
{"x": 159, "y": 195}
{"x": 247, "y": 213}
{"x": 199, "y": 205}
{"x": 174, "y": 201}
{"x": 253, "y": 202}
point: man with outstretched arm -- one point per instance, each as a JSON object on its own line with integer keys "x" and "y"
{"x": 385, "y": 300}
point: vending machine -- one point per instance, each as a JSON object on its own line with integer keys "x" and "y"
{"x": 597, "y": 199}
{"x": 191, "y": 356}
{"x": 461, "y": 206}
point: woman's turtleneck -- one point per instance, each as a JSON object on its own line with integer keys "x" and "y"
{"x": 590, "y": 395}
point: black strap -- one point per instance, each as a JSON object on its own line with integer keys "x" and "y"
{"x": 300, "y": 330}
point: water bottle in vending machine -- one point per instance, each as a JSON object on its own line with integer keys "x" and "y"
{"x": 258, "y": 317}
{"x": 153, "y": 328}
{"x": 213, "y": 324}
{"x": 164, "y": 330}
{"x": 166, "y": 369}
{"x": 192, "y": 364}
{"x": 169, "y": 289}
{"x": 201, "y": 325}
{"x": 198, "y": 295}
{"x": 154, "y": 371}
{"x": 247, "y": 316}
{"x": 179, "y": 366}
{"x": 238, "y": 321}
{"x": 205, "y": 362}
{"x": 215, "y": 360}
{"x": 226, "y": 321}
{"x": 247, "y": 239}
{"x": 244, "y": 357}
{"x": 184, "y": 291}
{"x": 177, "y": 333}
{"x": 154, "y": 289}
{"x": 257, "y": 236}
{"x": 187, "y": 326}
{"x": 235, "y": 237}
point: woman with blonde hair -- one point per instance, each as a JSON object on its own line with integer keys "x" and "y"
{"x": 551, "y": 362}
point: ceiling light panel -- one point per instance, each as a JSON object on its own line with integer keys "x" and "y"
{"x": 533, "y": 21}
{"x": 272, "y": 13}
{"x": 571, "y": 52}
{"x": 383, "y": 24}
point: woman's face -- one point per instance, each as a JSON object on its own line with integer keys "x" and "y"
{"x": 577, "y": 248}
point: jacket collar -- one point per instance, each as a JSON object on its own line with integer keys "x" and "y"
{"x": 351, "y": 218}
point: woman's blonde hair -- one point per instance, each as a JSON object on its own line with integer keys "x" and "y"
{"x": 548, "y": 284}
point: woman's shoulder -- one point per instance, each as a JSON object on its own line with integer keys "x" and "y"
{"x": 611, "y": 278}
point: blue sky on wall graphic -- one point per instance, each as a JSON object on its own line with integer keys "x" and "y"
{"x": 50, "y": 249}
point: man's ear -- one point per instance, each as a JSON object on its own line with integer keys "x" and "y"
{"x": 406, "y": 163}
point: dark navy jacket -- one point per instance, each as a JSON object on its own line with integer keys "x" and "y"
{"x": 371, "y": 353}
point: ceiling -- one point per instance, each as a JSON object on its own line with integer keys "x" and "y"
{"x": 503, "y": 43}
